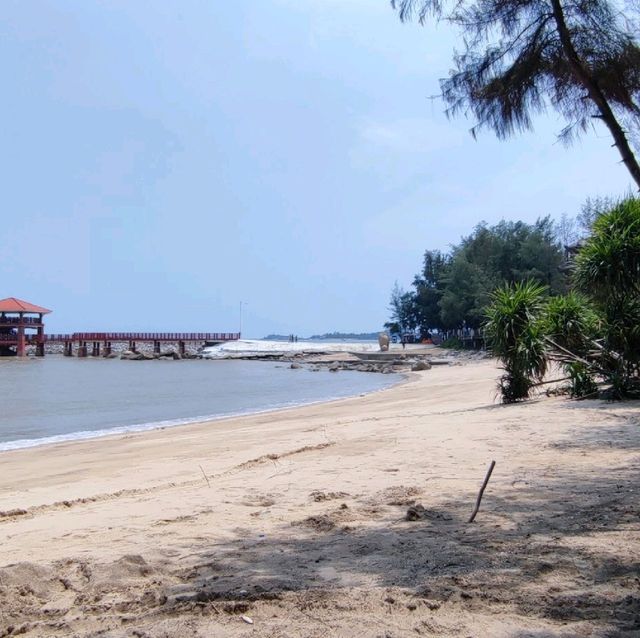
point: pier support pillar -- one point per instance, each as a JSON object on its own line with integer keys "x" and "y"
{"x": 82, "y": 349}
{"x": 107, "y": 348}
{"x": 181, "y": 348}
{"x": 21, "y": 347}
{"x": 68, "y": 349}
{"x": 132, "y": 346}
{"x": 156, "y": 347}
{"x": 95, "y": 350}
{"x": 40, "y": 342}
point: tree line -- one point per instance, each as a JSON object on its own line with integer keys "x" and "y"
{"x": 453, "y": 288}
{"x": 538, "y": 299}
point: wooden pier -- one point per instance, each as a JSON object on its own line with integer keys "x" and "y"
{"x": 101, "y": 343}
{"x": 22, "y": 325}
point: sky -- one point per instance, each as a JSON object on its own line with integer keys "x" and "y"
{"x": 165, "y": 161}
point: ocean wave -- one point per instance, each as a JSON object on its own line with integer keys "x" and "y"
{"x": 259, "y": 346}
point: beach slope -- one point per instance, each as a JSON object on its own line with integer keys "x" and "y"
{"x": 293, "y": 523}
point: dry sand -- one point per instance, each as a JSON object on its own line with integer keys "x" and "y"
{"x": 294, "y": 521}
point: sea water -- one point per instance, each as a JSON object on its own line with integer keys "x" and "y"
{"x": 51, "y": 399}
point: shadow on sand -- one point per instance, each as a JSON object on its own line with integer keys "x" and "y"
{"x": 530, "y": 552}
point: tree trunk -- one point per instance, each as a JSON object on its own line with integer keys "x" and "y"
{"x": 584, "y": 75}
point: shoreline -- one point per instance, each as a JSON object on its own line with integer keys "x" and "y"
{"x": 297, "y": 519}
{"x": 57, "y": 455}
{"x": 184, "y": 412}
{"x": 142, "y": 428}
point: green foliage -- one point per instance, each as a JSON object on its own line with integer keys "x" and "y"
{"x": 594, "y": 331}
{"x": 609, "y": 262}
{"x": 571, "y": 322}
{"x": 515, "y": 251}
{"x": 429, "y": 287}
{"x": 621, "y": 330}
{"x": 582, "y": 381}
{"x": 518, "y": 58}
{"x": 516, "y": 337}
{"x": 607, "y": 268}
{"x": 466, "y": 293}
{"x": 403, "y": 311}
{"x": 453, "y": 289}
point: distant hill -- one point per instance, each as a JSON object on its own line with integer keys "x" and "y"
{"x": 364, "y": 336}
{"x": 336, "y": 336}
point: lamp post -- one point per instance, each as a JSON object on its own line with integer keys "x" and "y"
{"x": 241, "y": 303}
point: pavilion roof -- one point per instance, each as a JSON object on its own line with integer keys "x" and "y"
{"x": 11, "y": 304}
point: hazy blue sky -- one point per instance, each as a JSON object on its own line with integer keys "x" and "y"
{"x": 164, "y": 160}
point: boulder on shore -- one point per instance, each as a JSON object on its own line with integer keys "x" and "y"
{"x": 130, "y": 355}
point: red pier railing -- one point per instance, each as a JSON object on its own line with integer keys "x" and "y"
{"x": 143, "y": 336}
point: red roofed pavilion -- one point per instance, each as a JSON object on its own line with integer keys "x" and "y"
{"x": 16, "y": 317}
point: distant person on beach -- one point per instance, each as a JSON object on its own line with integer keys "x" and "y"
{"x": 404, "y": 342}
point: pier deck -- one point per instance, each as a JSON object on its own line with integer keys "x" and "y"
{"x": 102, "y": 342}
{"x": 143, "y": 336}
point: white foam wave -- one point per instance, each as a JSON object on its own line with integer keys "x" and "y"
{"x": 258, "y": 346}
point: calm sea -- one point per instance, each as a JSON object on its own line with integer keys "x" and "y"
{"x": 59, "y": 399}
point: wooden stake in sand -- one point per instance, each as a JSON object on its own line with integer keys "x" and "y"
{"x": 484, "y": 484}
{"x": 205, "y": 476}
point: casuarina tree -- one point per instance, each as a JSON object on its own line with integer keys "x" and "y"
{"x": 521, "y": 56}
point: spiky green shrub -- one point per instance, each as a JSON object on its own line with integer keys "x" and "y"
{"x": 571, "y": 325}
{"x": 516, "y": 336}
{"x": 571, "y": 321}
{"x": 609, "y": 262}
{"x": 607, "y": 268}
{"x": 582, "y": 380}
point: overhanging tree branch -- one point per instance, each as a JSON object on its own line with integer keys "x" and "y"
{"x": 595, "y": 93}
{"x": 521, "y": 57}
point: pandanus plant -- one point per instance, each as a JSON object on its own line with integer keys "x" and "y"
{"x": 516, "y": 337}
{"x": 571, "y": 327}
{"x": 607, "y": 269}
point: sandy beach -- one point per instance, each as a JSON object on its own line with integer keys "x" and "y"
{"x": 292, "y": 523}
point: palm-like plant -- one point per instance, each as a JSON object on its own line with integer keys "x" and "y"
{"x": 571, "y": 322}
{"x": 571, "y": 326}
{"x": 516, "y": 336}
{"x": 609, "y": 262}
{"x": 608, "y": 269}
